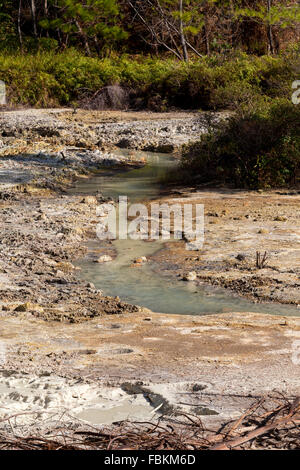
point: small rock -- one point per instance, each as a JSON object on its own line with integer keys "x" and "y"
{"x": 42, "y": 217}
{"x": 263, "y": 231}
{"x": 212, "y": 214}
{"x": 90, "y": 200}
{"x": 140, "y": 260}
{"x": 191, "y": 276}
{"x": 29, "y": 307}
{"x": 64, "y": 267}
{"x": 104, "y": 259}
{"x": 279, "y": 218}
{"x": 198, "y": 388}
{"x": 87, "y": 351}
{"x": 60, "y": 273}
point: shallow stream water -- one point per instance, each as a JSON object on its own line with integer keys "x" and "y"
{"x": 143, "y": 286}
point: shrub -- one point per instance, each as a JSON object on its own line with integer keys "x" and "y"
{"x": 260, "y": 149}
{"x": 47, "y": 79}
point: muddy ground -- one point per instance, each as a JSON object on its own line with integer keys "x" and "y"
{"x": 54, "y": 325}
{"x": 238, "y": 224}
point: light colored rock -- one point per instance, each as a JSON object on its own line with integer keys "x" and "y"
{"x": 29, "y": 307}
{"x": 191, "y": 276}
{"x": 60, "y": 273}
{"x": 104, "y": 259}
{"x": 42, "y": 217}
{"x": 140, "y": 260}
{"x": 90, "y": 200}
{"x": 65, "y": 266}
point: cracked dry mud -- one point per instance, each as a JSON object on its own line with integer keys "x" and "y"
{"x": 64, "y": 345}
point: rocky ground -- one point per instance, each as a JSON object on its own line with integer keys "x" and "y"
{"x": 141, "y": 366}
{"x": 238, "y": 224}
{"x": 100, "y": 353}
{"x": 43, "y": 229}
{"x": 160, "y": 132}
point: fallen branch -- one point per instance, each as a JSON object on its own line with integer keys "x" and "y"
{"x": 271, "y": 422}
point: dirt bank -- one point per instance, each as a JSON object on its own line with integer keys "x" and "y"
{"x": 213, "y": 364}
{"x": 161, "y": 132}
{"x": 238, "y": 224}
{"x": 43, "y": 229}
{"x": 128, "y": 365}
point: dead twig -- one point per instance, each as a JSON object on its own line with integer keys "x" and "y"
{"x": 271, "y": 422}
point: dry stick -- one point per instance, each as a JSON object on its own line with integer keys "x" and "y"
{"x": 244, "y": 415}
{"x": 259, "y": 431}
{"x": 153, "y": 32}
{"x": 156, "y": 437}
{"x": 250, "y": 436}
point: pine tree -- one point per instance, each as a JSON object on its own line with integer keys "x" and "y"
{"x": 270, "y": 14}
{"x": 94, "y": 21}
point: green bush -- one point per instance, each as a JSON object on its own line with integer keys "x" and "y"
{"x": 47, "y": 79}
{"x": 260, "y": 149}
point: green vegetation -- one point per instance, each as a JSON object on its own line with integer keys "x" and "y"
{"x": 257, "y": 149}
{"x": 238, "y": 55}
{"x": 182, "y": 28}
{"x": 49, "y": 79}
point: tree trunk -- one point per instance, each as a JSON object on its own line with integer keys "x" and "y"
{"x": 19, "y": 25}
{"x": 206, "y": 36}
{"x": 97, "y": 46}
{"x": 182, "y": 36}
{"x": 33, "y": 14}
{"x": 84, "y": 37}
{"x": 46, "y": 14}
{"x": 271, "y": 47}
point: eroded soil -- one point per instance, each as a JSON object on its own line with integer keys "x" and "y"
{"x": 215, "y": 363}
{"x": 239, "y": 224}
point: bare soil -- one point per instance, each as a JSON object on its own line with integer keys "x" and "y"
{"x": 94, "y": 339}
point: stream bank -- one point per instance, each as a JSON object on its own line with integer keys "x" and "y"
{"x": 44, "y": 229}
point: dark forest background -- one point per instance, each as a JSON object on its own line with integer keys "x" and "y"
{"x": 183, "y": 28}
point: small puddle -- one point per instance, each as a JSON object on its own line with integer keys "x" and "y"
{"x": 143, "y": 286}
{"x": 94, "y": 403}
{"x": 118, "y": 413}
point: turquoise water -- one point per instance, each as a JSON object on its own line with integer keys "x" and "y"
{"x": 143, "y": 286}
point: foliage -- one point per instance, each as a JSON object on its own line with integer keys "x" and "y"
{"x": 47, "y": 78}
{"x": 259, "y": 149}
{"x": 95, "y": 19}
{"x": 279, "y": 14}
{"x": 182, "y": 28}
{"x": 8, "y": 34}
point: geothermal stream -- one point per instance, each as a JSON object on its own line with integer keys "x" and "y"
{"x": 53, "y": 396}
{"x": 143, "y": 286}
